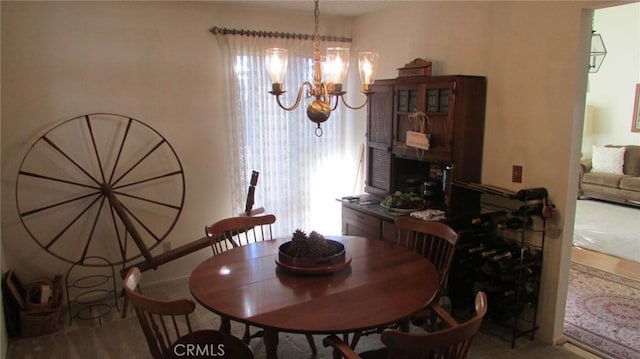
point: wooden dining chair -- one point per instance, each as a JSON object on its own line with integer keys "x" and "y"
{"x": 238, "y": 231}
{"x": 435, "y": 241}
{"x": 167, "y": 328}
{"x": 452, "y": 341}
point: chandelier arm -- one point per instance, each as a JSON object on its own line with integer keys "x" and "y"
{"x": 355, "y": 107}
{"x": 335, "y": 103}
{"x": 298, "y": 97}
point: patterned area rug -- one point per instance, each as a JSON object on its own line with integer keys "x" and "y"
{"x": 603, "y": 312}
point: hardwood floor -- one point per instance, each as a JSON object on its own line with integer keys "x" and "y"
{"x": 606, "y": 263}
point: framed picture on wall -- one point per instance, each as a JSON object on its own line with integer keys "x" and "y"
{"x": 635, "y": 122}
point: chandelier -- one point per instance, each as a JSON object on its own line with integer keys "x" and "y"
{"x": 326, "y": 91}
{"x": 597, "y": 53}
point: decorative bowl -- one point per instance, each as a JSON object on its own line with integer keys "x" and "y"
{"x": 314, "y": 265}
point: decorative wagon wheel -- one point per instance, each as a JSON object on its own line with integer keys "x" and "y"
{"x": 95, "y": 184}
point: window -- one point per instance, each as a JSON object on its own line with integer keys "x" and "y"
{"x": 299, "y": 172}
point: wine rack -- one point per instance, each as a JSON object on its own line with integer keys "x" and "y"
{"x": 500, "y": 253}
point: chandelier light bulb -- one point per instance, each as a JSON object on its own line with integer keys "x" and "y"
{"x": 276, "y": 63}
{"x": 368, "y": 65}
{"x": 337, "y": 64}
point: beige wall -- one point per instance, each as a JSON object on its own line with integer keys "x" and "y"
{"x": 157, "y": 62}
{"x": 534, "y": 55}
{"x": 154, "y": 61}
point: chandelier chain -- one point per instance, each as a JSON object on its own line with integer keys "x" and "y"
{"x": 316, "y": 33}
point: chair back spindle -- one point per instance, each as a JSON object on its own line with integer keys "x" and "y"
{"x": 451, "y": 342}
{"x": 239, "y": 231}
{"x": 436, "y": 241}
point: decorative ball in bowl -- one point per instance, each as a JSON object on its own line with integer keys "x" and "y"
{"x": 311, "y": 253}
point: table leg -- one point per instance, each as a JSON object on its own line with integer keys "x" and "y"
{"x": 270, "y": 338}
{"x": 225, "y": 325}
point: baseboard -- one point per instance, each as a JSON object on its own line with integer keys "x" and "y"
{"x": 579, "y": 349}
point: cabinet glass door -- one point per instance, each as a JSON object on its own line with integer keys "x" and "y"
{"x": 438, "y": 100}
{"x": 407, "y": 100}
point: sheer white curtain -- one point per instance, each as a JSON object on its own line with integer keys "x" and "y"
{"x": 301, "y": 175}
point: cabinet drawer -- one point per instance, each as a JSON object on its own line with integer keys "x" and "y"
{"x": 355, "y": 223}
{"x": 388, "y": 231}
{"x": 360, "y": 217}
{"x": 357, "y": 229}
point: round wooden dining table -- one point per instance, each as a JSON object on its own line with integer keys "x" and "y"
{"x": 382, "y": 284}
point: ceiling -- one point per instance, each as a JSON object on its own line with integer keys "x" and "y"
{"x": 332, "y": 7}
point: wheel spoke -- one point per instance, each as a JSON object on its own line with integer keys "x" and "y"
{"x": 169, "y": 174}
{"x": 169, "y": 205}
{"x": 124, "y": 139}
{"x": 27, "y": 213}
{"x": 47, "y": 140}
{"x": 95, "y": 147}
{"x": 71, "y": 223}
{"x": 140, "y": 161}
{"x": 93, "y": 229}
{"x": 36, "y": 175}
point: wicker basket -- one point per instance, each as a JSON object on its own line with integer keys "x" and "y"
{"x": 41, "y": 319}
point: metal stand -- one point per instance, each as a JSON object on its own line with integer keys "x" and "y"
{"x": 93, "y": 295}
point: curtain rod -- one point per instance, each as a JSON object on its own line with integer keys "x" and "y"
{"x": 280, "y": 35}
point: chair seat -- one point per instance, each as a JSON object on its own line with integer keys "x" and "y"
{"x": 208, "y": 344}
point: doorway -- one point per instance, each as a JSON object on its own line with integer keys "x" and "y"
{"x": 608, "y": 115}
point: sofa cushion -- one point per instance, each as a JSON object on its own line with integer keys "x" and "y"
{"x": 602, "y": 179}
{"x": 608, "y": 159}
{"x": 632, "y": 160}
{"x": 631, "y": 183}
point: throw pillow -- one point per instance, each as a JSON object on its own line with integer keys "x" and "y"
{"x": 607, "y": 160}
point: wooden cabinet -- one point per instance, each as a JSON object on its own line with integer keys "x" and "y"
{"x": 369, "y": 220}
{"x": 388, "y": 231}
{"x": 379, "y": 113}
{"x": 434, "y": 98}
{"x": 359, "y": 223}
{"x": 455, "y": 107}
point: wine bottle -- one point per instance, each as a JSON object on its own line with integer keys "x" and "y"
{"x": 488, "y": 253}
{"x": 477, "y": 249}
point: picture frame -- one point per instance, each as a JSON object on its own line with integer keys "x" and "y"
{"x": 635, "y": 121}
